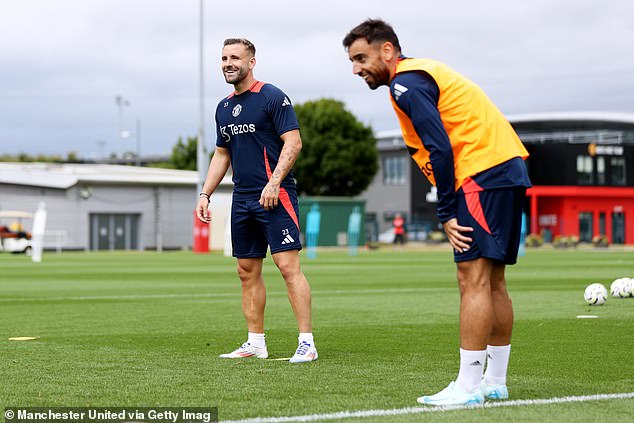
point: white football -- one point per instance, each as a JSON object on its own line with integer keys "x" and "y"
{"x": 595, "y": 294}
{"x": 626, "y": 288}
{"x": 618, "y": 288}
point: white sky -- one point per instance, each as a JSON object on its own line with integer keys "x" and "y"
{"x": 62, "y": 62}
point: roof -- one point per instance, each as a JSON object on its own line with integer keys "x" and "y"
{"x": 615, "y": 117}
{"x": 15, "y": 214}
{"x": 575, "y": 127}
{"x": 392, "y": 139}
{"x": 608, "y": 127}
{"x": 390, "y": 133}
{"x": 63, "y": 175}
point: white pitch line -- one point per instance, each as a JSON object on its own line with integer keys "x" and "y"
{"x": 117, "y": 297}
{"x": 206, "y": 295}
{"x": 415, "y": 410}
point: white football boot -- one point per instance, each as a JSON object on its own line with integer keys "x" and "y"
{"x": 247, "y": 350}
{"x": 452, "y": 396}
{"x": 494, "y": 392}
{"x": 305, "y": 352}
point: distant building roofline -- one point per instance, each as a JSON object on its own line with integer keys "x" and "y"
{"x": 64, "y": 175}
{"x": 389, "y": 133}
{"x": 616, "y": 117}
{"x": 622, "y": 117}
{"x": 389, "y": 139}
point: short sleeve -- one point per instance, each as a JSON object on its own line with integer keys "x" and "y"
{"x": 281, "y": 111}
{"x": 220, "y": 139}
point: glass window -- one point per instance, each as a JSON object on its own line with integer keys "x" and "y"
{"x": 394, "y": 170}
{"x": 584, "y": 170}
{"x": 617, "y": 171}
{"x": 402, "y": 170}
{"x": 600, "y": 170}
{"x": 387, "y": 170}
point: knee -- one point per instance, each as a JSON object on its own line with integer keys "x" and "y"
{"x": 246, "y": 272}
{"x": 471, "y": 284}
{"x": 288, "y": 270}
{"x": 288, "y": 264}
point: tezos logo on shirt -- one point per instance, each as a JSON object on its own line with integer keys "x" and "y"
{"x": 236, "y": 110}
{"x": 231, "y": 129}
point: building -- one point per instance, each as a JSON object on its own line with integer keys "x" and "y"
{"x": 108, "y": 207}
{"x": 398, "y": 187}
{"x": 581, "y": 166}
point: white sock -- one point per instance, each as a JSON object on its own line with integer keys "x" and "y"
{"x": 471, "y": 369}
{"x": 306, "y": 337}
{"x": 257, "y": 340}
{"x": 497, "y": 364}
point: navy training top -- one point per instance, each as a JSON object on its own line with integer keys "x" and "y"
{"x": 249, "y": 125}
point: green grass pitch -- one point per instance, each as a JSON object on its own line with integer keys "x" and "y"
{"x": 145, "y": 329}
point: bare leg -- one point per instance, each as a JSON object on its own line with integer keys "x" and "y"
{"x": 476, "y": 316}
{"x": 297, "y": 286}
{"x": 253, "y": 293}
{"x": 476, "y": 306}
{"x": 502, "y": 326}
{"x": 499, "y": 349}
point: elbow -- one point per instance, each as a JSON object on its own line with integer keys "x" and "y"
{"x": 445, "y": 150}
{"x": 298, "y": 145}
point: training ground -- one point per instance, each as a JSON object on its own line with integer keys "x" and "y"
{"x": 145, "y": 330}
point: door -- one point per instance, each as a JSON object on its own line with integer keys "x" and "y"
{"x": 100, "y": 232}
{"x": 114, "y": 231}
{"x": 585, "y": 227}
{"x": 618, "y": 228}
{"x": 119, "y": 231}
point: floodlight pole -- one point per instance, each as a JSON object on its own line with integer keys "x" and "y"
{"x": 201, "y": 151}
{"x": 138, "y": 142}
{"x": 120, "y": 102}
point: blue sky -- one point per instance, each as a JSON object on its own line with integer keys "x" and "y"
{"x": 63, "y": 62}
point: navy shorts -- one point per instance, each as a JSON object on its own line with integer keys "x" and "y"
{"x": 254, "y": 229}
{"x": 496, "y": 218}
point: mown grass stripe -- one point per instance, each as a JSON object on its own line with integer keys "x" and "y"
{"x": 415, "y": 410}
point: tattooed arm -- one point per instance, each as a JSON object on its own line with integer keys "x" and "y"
{"x": 290, "y": 151}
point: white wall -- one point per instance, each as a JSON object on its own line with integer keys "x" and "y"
{"x": 69, "y": 210}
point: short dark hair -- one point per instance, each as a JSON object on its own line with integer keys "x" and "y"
{"x": 248, "y": 44}
{"x": 373, "y": 30}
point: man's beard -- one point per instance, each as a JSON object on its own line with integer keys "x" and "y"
{"x": 373, "y": 84}
{"x": 236, "y": 77}
{"x": 379, "y": 78}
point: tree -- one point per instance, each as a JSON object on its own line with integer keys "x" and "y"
{"x": 184, "y": 154}
{"x": 339, "y": 155}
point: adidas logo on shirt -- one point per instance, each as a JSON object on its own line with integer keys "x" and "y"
{"x": 288, "y": 239}
{"x": 398, "y": 90}
{"x": 286, "y": 102}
